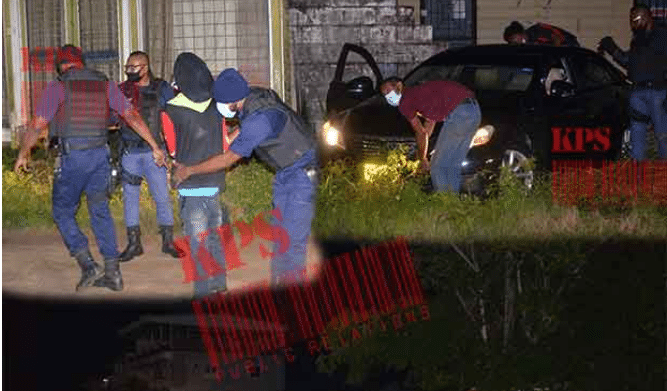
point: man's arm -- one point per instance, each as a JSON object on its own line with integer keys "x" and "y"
{"x": 422, "y": 134}
{"x": 608, "y": 45}
{"x": 37, "y": 128}
{"x": 213, "y": 164}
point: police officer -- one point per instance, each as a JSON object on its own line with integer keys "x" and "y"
{"x": 282, "y": 140}
{"x": 77, "y": 106}
{"x": 148, "y": 95}
{"x": 646, "y": 62}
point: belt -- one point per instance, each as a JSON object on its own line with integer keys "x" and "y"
{"x": 651, "y": 84}
{"x": 136, "y": 144}
{"x": 66, "y": 146}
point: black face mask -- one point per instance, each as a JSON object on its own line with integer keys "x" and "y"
{"x": 134, "y": 76}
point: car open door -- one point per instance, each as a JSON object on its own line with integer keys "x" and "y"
{"x": 344, "y": 94}
{"x": 586, "y": 111}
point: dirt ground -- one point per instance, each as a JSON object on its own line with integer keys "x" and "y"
{"x": 36, "y": 263}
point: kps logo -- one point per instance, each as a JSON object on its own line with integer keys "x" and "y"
{"x": 580, "y": 139}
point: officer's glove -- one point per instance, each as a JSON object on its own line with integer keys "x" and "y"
{"x": 607, "y": 45}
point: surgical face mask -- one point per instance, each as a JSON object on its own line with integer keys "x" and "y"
{"x": 393, "y": 98}
{"x": 133, "y": 76}
{"x": 223, "y": 108}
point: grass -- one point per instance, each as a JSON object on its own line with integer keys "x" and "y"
{"x": 389, "y": 205}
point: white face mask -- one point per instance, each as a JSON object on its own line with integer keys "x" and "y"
{"x": 393, "y": 98}
{"x": 223, "y": 108}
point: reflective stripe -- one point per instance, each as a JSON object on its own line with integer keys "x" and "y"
{"x": 201, "y": 192}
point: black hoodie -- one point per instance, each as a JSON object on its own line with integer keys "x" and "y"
{"x": 197, "y": 123}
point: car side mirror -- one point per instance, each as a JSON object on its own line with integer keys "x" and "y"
{"x": 562, "y": 89}
{"x": 360, "y": 88}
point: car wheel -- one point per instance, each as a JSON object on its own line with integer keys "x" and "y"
{"x": 518, "y": 161}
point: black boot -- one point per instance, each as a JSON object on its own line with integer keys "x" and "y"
{"x": 112, "y": 278}
{"x": 134, "y": 247}
{"x": 90, "y": 270}
{"x": 167, "y": 232}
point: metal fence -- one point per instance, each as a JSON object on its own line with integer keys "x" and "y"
{"x": 452, "y": 20}
{"x": 98, "y": 29}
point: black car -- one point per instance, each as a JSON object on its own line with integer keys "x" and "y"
{"x": 538, "y": 102}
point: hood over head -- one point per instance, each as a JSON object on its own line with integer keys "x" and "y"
{"x": 193, "y": 77}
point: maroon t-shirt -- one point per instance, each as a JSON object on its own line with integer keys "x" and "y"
{"x": 433, "y": 99}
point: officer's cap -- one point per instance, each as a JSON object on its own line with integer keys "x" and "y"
{"x": 230, "y": 86}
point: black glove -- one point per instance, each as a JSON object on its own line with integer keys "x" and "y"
{"x": 608, "y": 45}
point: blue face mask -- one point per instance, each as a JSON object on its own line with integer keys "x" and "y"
{"x": 223, "y": 108}
{"x": 393, "y": 98}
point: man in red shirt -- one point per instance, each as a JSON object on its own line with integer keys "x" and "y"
{"x": 425, "y": 105}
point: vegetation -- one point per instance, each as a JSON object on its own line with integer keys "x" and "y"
{"x": 390, "y": 204}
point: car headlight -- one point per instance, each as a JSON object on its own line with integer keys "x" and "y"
{"x": 482, "y": 136}
{"x": 332, "y": 136}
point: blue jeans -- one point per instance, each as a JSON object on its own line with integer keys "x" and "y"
{"x": 84, "y": 171}
{"x": 648, "y": 102}
{"x": 453, "y": 144}
{"x": 199, "y": 215}
{"x": 142, "y": 164}
{"x": 294, "y": 197}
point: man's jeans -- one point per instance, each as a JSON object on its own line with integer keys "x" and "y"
{"x": 453, "y": 144}
{"x": 142, "y": 164}
{"x": 84, "y": 171}
{"x": 650, "y": 103}
{"x": 294, "y": 197}
{"x": 202, "y": 215}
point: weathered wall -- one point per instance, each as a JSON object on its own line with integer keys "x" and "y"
{"x": 319, "y": 28}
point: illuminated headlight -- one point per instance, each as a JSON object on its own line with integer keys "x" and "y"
{"x": 482, "y": 136}
{"x": 331, "y": 134}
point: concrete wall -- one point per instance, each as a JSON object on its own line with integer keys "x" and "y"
{"x": 319, "y": 28}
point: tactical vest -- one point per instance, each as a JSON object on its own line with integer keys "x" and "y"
{"x": 85, "y": 110}
{"x": 198, "y": 137}
{"x": 291, "y": 143}
{"x": 146, "y": 100}
{"x": 648, "y": 61}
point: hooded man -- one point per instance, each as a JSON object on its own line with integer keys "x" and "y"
{"x": 192, "y": 128}
{"x": 281, "y": 139}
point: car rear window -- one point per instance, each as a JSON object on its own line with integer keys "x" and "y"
{"x": 477, "y": 76}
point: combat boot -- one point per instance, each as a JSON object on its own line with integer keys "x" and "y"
{"x": 90, "y": 270}
{"x": 134, "y": 247}
{"x": 112, "y": 278}
{"x": 167, "y": 232}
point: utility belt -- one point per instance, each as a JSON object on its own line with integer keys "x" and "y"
{"x": 64, "y": 146}
{"x": 135, "y": 144}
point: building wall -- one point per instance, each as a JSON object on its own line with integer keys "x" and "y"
{"x": 589, "y": 20}
{"x": 320, "y": 28}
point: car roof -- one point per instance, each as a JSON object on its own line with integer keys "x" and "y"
{"x": 508, "y": 50}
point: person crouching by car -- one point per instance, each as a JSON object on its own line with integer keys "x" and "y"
{"x": 424, "y": 106}
{"x": 539, "y": 34}
{"x": 148, "y": 95}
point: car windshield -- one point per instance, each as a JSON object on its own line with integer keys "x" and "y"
{"x": 477, "y": 76}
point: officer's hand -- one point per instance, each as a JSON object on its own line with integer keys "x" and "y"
{"x": 180, "y": 173}
{"x": 159, "y": 157}
{"x": 607, "y": 44}
{"x": 21, "y": 163}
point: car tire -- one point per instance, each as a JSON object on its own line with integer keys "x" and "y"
{"x": 517, "y": 157}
